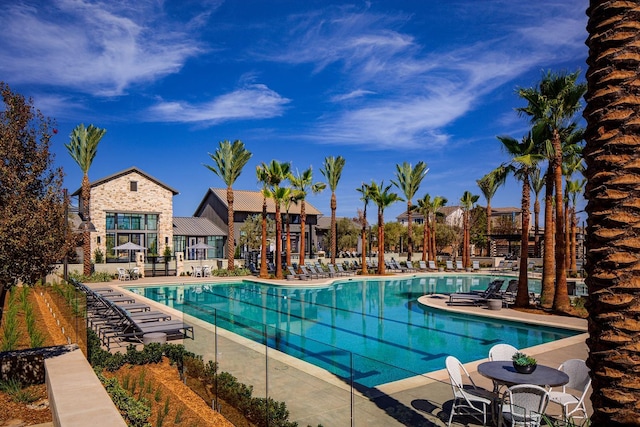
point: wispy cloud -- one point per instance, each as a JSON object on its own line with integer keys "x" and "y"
{"x": 98, "y": 48}
{"x": 251, "y": 102}
{"x": 358, "y": 93}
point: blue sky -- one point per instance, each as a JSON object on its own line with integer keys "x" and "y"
{"x": 377, "y": 82}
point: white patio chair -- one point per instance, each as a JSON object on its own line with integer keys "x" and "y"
{"x": 467, "y": 400}
{"x": 123, "y": 275}
{"x": 502, "y": 352}
{"x": 197, "y": 271}
{"x": 580, "y": 381}
{"x": 476, "y": 265}
{"x": 523, "y": 405}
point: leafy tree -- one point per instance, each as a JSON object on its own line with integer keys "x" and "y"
{"x": 478, "y": 226}
{"x": 551, "y": 106}
{"x": 393, "y": 232}
{"x": 251, "y": 231}
{"x": 32, "y": 222}
{"x": 302, "y": 183}
{"x": 228, "y": 162}
{"x": 408, "y": 180}
{"x": 611, "y": 154}
{"x": 332, "y": 171}
{"x": 83, "y": 147}
{"x": 347, "y": 234}
{"x": 446, "y": 235}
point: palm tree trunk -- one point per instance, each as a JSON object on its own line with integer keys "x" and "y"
{"x": 574, "y": 243}
{"x": 230, "y": 233}
{"x": 612, "y": 192}
{"x": 278, "y": 242}
{"x": 264, "y": 272}
{"x": 567, "y": 236}
{"x": 522, "y": 297}
{"x": 425, "y": 241}
{"x": 288, "y": 254}
{"x": 303, "y": 224}
{"x": 409, "y": 232}
{"x": 364, "y": 241}
{"x": 488, "y": 228}
{"x": 334, "y": 205}
{"x": 548, "y": 273}
{"x": 434, "y": 249}
{"x": 86, "y": 236}
{"x": 561, "y": 298}
{"x": 536, "y": 228}
{"x": 381, "y": 269}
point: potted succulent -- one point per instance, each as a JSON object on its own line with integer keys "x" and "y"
{"x": 524, "y": 364}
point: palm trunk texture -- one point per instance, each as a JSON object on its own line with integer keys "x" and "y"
{"x": 548, "y": 273}
{"x": 230, "y": 235}
{"x": 264, "y": 272}
{"x": 561, "y": 298}
{"x": 613, "y": 245}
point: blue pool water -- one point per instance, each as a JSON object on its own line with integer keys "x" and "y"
{"x": 373, "y": 329}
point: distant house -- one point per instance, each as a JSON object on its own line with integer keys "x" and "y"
{"x": 130, "y": 206}
{"x": 214, "y": 208}
{"x": 452, "y": 216}
{"x": 189, "y": 231}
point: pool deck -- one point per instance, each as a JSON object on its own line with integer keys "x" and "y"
{"x": 424, "y": 400}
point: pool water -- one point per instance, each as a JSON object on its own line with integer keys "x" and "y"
{"x": 373, "y": 329}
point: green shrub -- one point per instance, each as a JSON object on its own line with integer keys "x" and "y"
{"x": 135, "y": 412}
{"x": 18, "y": 394}
{"x": 98, "y": 256}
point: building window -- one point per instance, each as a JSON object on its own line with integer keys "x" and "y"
{"x": 133, "y": 185}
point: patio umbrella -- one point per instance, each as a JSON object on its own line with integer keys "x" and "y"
{"x": 129, "y": 246}
{"x": 198, "y": 246}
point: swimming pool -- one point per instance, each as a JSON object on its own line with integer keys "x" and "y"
{"x": 372, "y": 325}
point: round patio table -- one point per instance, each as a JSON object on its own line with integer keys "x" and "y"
{"x": 503, "y": 372}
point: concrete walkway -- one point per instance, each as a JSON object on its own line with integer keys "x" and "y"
{"x": 314, "y": 396}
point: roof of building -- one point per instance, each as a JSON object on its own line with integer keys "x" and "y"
{"x": 251, "y": 201}
{"x": 132, "y": 169}
{"x": 195, "y": 226}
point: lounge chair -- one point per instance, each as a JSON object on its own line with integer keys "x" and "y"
{"x": 449, "y": 266}
{"x": 308, "y": 273}
{"x": 509, "y": 294}
{"x": 432, "y": 266}
{"x": 422, "y": 265}
{"x": 293, "y": 275}
{"x": 344, "y": 272}
{"x": 320, "y": 274}
{"x": 410, "y": 266}
{"x": 475, "y": 298}
{"x": 500, "y": 266}
{"x": 459, "y": 266}
{"x": 475, "y": 265}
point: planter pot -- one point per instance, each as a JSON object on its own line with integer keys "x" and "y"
{"x": 525, "y": 369}
{"x": 494, "y": 304}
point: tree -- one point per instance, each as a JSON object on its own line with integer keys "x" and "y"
{"x": 573, "y": 190}
{"x": 263, "y": 178}
{"x": 488, "y": 185}
{"x": 537, "y": 184}
{"x": 364, "y": 190}
{"x": 572, "y": 163}
{"x": 381, "y": 196}
{"x": 552, "y": 106}
{"x": 611, "y": 154}
{"x": 332, "y": 171}
{"x": 83, "y": 147}
{"x": 288, "y": 198}
{"x": 478, "y": 227}
{"x": 408, "y": 181}
{"x": 32, "y": 205}
{"x": 524, "y": 160}
{"x": 423, "y": 207}
{"x": 274, "y": 174}
{"x": 347, "y": 234}
{"x": 302, "y": 183}
{"x": 467, "y": 201}
{"x": 438, "y": 202}
{"x": 251, "y": 232}
{"x": 228, "y": 162}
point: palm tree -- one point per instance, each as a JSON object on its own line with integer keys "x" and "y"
{"x": 612, "y": 195}
{"x": 381, "y": 196}
{"x": 365, "y": 190}
{"x": 437, "y": 203}
{"x": 524, "y": 160}
{"x": 488, "y": 185}
{"x": 302, "y": 183}
{"x": 332, "y": 171}
{"x": 228, "y": 162}
{"x": 83, "y": 147}
{"x": 537, "y": 184}
{"x": 551, "y": 106}
{"x": 408, "y": 181}
{"x": 572, "y": 163}
{"x": 274, "y": 174}
{"x": 467, "y": 201}
{"x": 573, "y": 190}
{"x": 263, "y": 178}
{"x": 289, "y": 198}
{"x": 423, "y": 207}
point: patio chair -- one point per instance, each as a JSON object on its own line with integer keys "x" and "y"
{"x": 344, "y": 272}
{"x": 467, "y": 400}
{"x": 197, "y": 271}
{"x": 313, "y": 271}
{"x": 475, "y": 298}
{"x": 523, "y": 405}
{"x": 410, "y": 266}
{"x": 449, "y": 266}
{"x": 123, "y": 274}
{"x": 509, "y": 294}
{"x": 422, "y": 265}
{"x": 580, "y": 381}
{"x": 432, "y": 265}
{"x": 135, "y": 273}
{"x": 500, "y": 266}
{"x": 475, "y": 265}
{"x": 459, "y": 266}
{"x": 308, "y": 273}
{"x": 502, "y": 352}
{"x": 294, "y": 275}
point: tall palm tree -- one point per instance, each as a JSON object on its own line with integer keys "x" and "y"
{"x": 288, "y": 198}
{"x": 537, "y": 184}
{"x": 302, "y": 183}
{"x": 524, "y": 160}
{"x": 365, "y": 191}
{"x": 438, "y": 202}
{"x": 467, "y": 201}
{"x": 263, "y": 178}
{"x": 381, "y": 196}
{"x": 228, "y": 162}
{"x": 552, "y": 105}
{"x": 332, "y": 171}
{"x": 423, "y": 207}
{"x": 408, "y": 181}
{"x": 612, "y": 194}
{"x": 488, "y": 185}
{"x": 274, "y": 174}
{"x": 574, "y": 189}
{"x": 572, "y": 163}
{"x": 83, "y": 147}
